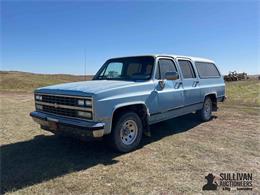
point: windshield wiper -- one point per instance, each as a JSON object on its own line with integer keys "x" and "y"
{"x": 100, "y": 77}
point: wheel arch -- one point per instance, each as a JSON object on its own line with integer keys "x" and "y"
{"x": 138, "y": 107}
{"x": 213, "y": 97}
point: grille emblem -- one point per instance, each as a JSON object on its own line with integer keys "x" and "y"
{"x": 56, "y": 105}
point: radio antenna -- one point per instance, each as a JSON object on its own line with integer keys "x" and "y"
{"x": 85, "y": 65}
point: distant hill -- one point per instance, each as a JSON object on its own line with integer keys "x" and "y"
{"x": 27, "y": 82}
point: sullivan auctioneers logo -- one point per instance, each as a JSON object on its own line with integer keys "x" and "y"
{"x": 229, "y": 181}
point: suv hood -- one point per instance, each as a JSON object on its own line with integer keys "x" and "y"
{"x": 83, "y": 87}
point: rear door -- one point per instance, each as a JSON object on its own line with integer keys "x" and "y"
{"x": 190, "y": 82}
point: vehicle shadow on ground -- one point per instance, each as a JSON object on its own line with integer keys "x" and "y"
{"x": 47, "y": 157}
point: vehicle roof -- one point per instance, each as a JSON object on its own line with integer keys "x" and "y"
{"x": 197, "y": 59}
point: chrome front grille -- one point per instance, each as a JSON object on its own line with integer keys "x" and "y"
{"x": 60, "y": 111}
{"x": 60, "y": 100}
{"x": 70, "y": 106}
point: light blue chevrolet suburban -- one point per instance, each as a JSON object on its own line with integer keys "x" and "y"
{"x": 127, "y": 95}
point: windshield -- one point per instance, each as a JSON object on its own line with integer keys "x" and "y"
{"x": 129, "y": 68}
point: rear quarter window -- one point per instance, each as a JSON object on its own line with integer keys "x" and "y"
{"x": 207, "y": 70}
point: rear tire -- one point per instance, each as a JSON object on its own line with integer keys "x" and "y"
{"x": 127, "y": 133}
{"x": 206, "y": 112}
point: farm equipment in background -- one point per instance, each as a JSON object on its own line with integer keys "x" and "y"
{"x": 234, "y": 76}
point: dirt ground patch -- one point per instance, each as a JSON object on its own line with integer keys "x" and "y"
{"x": 180, "y": 153}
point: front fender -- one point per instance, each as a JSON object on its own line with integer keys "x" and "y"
{"x": 106, "y": 103}
{"x": 106, "y": 112}
{"x": 130, "y": 104}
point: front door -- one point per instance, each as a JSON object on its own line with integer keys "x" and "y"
{"x": 169, "y": 93}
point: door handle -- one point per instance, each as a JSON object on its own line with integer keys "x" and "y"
{"x": 161, "y": 84}
{"x": 178, "y": 85}
{"x": 195, "y": 83}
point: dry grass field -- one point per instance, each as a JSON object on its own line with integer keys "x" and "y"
{"x": 174, "y": 160}
{"x": 26, "y": 82}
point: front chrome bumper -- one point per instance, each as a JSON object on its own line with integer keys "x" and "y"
{"x": 55, "y": 123}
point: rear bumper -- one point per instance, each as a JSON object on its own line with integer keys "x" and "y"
{"x": 55, "y": 123}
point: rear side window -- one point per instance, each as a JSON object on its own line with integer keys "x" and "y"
{"x": 165, "y": 65}
{"x": 207, "y": 70}
{"x": 186, "y": 69}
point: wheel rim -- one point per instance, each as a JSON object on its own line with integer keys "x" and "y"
{"x": 128, "y": 132}
{"x": 207, "y": 109}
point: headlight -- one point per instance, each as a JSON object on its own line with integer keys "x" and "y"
{"x": 88, "y": 102}
{"x": 83, "y": 114}
{"x": 84, "y": 102}
{"x": 81, "y": 102}
{"x": 38, "y": 97}
{"x": 38, "y": 107}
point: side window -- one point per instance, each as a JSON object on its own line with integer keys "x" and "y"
{"x": 206, "y": 70}
{"x": 165, "y": 65}
{"x": 186, "y": 69}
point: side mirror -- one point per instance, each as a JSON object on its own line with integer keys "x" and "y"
{"x": 171, "y": 76}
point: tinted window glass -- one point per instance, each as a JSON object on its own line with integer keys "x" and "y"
{"x": 164, "y": 66}
{"x": 207, "y": 70}
{"x": 128, "y": 68}
{"x": 133, "y": 68}
{"x": 186, "y": 69}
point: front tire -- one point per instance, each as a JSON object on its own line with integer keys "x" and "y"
{"x": 206, "y": 112}
{"x": 127, "y": 132}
